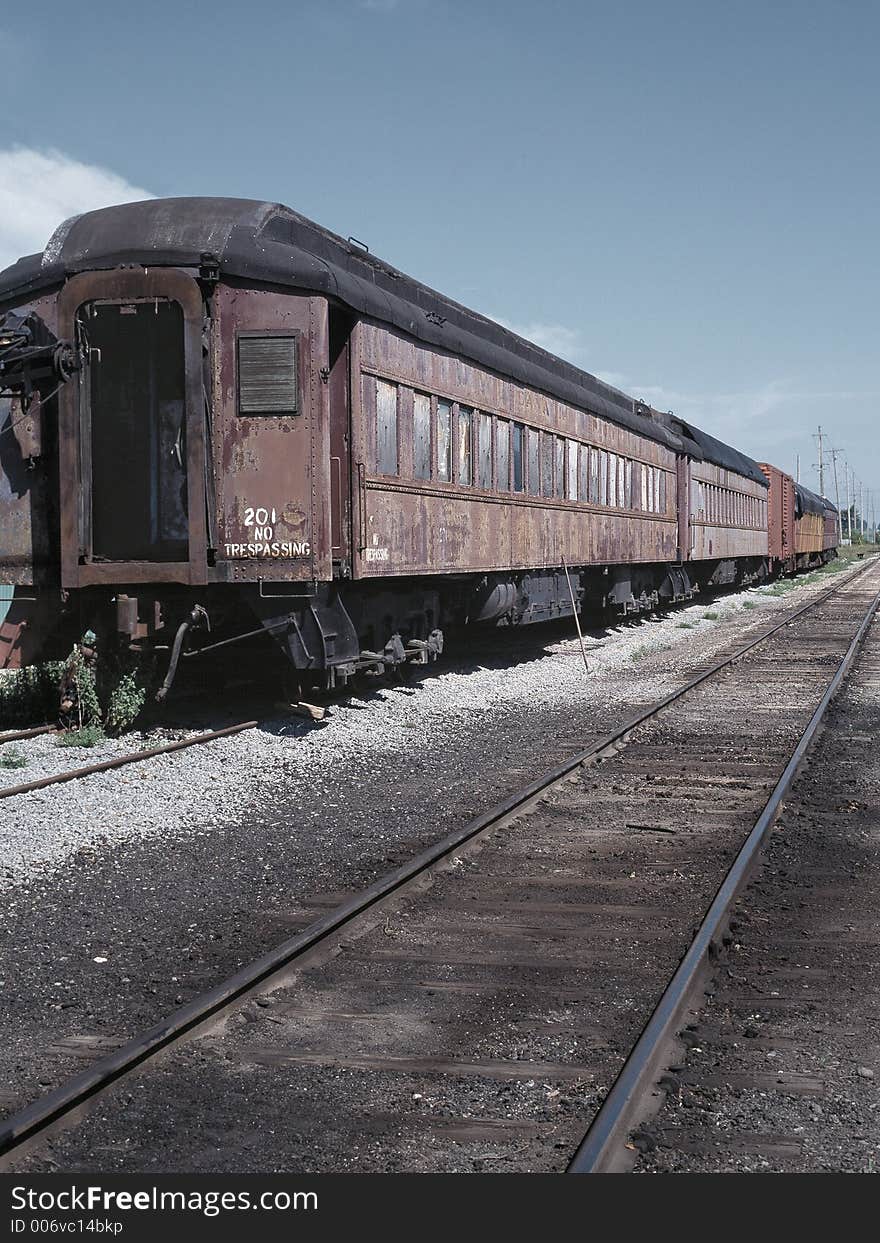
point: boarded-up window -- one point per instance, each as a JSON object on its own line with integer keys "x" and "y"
{"x": 547, "y": 464}
{"x": 663, "y": 492}
{"x": 594, "y": 476}
{"x": 628, "y": 483}
{"x": 534, "y": 475}
{"x": 484, "y": 450}
{"x": 560, "y": 467}
{"x": 645, "y": 472}
{"x": 421, "y": 436}
{"x": 603, "y": 477}
{"x": 583, "y": 472}
{"x": 517, "y": 436}
{"x": 465, "y": 444}
{"x": 444, "y": 440}
{"x": 612, "y": 479}
{"x": 386, "y": 428}
{"x": 502, "y": 455}
{"x": 572, "y": 489}
{"x": 267, "y": 375}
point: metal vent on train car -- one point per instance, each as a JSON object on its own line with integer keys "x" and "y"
{"x": 267, "y": 375}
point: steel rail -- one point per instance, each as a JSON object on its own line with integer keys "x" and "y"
{"x": 601, "y": 1149}
{"x": 69, "y": 1095}
{"x": 19, "y": 734}
{"x": 119, "y": 761}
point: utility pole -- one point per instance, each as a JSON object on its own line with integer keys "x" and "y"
{"x": 834, "y": 453}
{"x": 819, "y": 438}
{"x": 848, "y": 513}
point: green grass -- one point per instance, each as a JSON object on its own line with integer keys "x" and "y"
{"x": 12, "y": 759}
{"x": 684, "y": 625}
{"x": 748, "y": 604}
{"x": 710, "y": 616}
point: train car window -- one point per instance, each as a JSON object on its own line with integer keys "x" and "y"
{"x": 560, "y": 468}
{"x": 444, "y": 440}
{"x": 465, "y": 444}
{"x": 603, "y": 477}
{"x": 267, "y": 375}
{"x": 628, "y": 483}
{"x": 583, "y": 482}
{"x": 386, "y": 428}
{"x": 572, "y": 489}
{"x": 658, "y": 507}
{"x": 534, "y": 478}
{"x": 612, "y": 479}
{"x": 546, "y": 464}
{"x": 502, "y": 455}
{"x": 518, "y": 432}
{"x": 662, "y": 491}
{"x": 594, "y": 476}
{"x": 644, "y": 472}
{"x": 484, "y": 450}
{"x": 421, "y": 436}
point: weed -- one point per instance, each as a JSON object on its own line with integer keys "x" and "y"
{"x": 685, "y": 625}
{"x": 12, "y": 759}
{"x": 126, "y": 700}
{"x": 88, "y": 736}
{"x": 638, "y": 652}
{"x": 748, "y": 604}
{"x": 710, "y": 616}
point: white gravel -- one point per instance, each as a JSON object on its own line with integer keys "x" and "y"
{"x": 194, "y": 791}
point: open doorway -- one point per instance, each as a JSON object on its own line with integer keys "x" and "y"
{"x": 137, "y": 439}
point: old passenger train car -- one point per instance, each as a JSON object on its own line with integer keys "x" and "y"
{"x": 223, "y": 418}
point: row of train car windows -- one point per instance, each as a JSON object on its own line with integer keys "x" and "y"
{"x": 710, "y": 503}
{"x": 452, "y": 442}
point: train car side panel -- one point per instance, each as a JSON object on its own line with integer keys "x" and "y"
{"x": 272, "y": 465}
{"x": 460, "y": 470}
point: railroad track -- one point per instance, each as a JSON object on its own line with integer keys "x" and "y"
{"x": 485, "y": 995}
{"x": 146, "y": 753}
{"x": 116, "y": 761}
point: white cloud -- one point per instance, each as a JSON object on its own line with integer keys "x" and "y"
{"x": 555, "y": 338}
{"x": 39, "y": 189}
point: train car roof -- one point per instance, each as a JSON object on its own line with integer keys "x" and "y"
{"x": 811, "y": 503}
{"x": 268, "y": 242}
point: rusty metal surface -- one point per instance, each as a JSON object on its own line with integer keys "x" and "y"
{"x": 273, "y": 471}
{"x": 712, "y": 537}
{"x": 780, "y": 513}
{"x": 415, "y": 526}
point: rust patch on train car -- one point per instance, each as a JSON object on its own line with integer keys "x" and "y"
{"x": 272, "y": 464}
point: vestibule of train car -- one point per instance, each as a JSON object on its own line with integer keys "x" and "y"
{"x": 134, "y": 450}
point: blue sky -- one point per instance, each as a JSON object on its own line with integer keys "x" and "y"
{"x": 680, "y": 197}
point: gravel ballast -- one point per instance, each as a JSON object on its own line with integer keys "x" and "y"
{"x": 127, "y": 892}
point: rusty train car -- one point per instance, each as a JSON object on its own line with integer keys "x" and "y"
{"x": 223, "y": 421}
{"x": 802, "y": 527}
